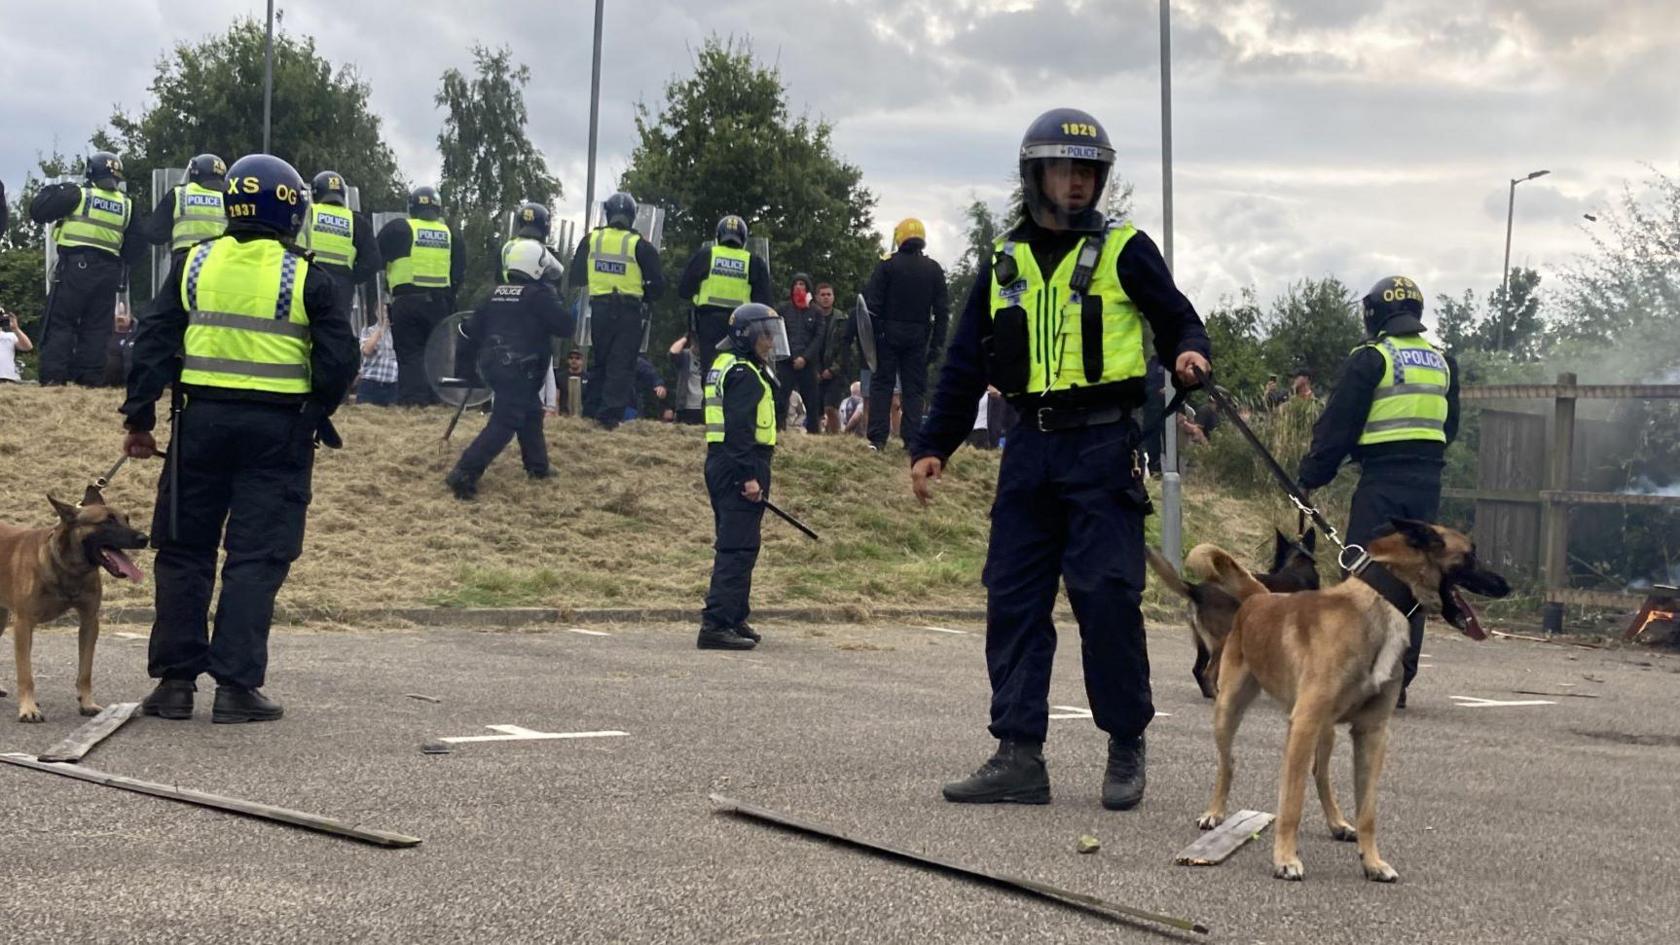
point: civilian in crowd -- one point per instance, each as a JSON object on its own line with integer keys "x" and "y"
{"x": 687, "y": 400}
{"x": 377, "y": 383}
{"x": 574, "y": 368}
{"x": 1274, "y": 396}
{"x": 798, "y": 374}
{"x": 119, "y": 352}
{"x": 12, "y": 340}
{"x": 852, "y": 411}
{"x": 839, "y": 361}
{"x": 1301, "y": 387}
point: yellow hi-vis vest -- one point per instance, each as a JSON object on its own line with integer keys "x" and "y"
{"x": 331, "y": 235}
{"x": 98, "y": 222}
{"x": 246, "y": 324}
{"x": 765, "y": 433}
{"x": 726, "y": 284}
{"x": 427, "y": 262}
{"x": 612, "y": 263}
{"x": 199, "y": 216}
{"x": 1410, "y": 403}
{"x": 1072, "y": 340}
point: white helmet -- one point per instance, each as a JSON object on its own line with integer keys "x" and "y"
{"x": 532, "y": 259}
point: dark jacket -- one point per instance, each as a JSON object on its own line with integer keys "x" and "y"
{"x": 909, "y": 287}
{"x": 1144, "y": 276}
{"x": 57, "y": 201}
{"x": 758, "y": 278}
{"x": 839, "y": 350}
{"x": 653, "y": 274}
{"x": 1336, "y": 434}
{"x": 742, "y": 391}
{"x": 511, "y": 329}
{"x": 396, "y": 240}
{"x": 804, "y": 332}
{"x": 333, "y": 359}
{"x": 369, "y": 262}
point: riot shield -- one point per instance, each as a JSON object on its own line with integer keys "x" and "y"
{"x": 650, "y": 223}
{"x": 164, "y": 179}
{"x": 865, "y": 324}
{"x": 452, "y": 380}
{"x": 760, "y": 246}
{"x": 379, "y": 221}
{"x": 580, "y": 335}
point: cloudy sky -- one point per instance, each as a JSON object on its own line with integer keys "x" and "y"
{"x": 1311, "y": 137}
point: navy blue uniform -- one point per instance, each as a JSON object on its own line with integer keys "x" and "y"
{"x": 81, "y": 308}
{"x": 736, "y": 519}
{"x": 1068, "y": 507}
{"x": 417, "y": 310}
{"x": 616, "y": 326}
{"x": 710, "y": 323}
{"x": 508, "y": 338}
{"x": 911, "y": 306}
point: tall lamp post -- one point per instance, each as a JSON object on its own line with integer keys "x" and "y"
{"x": 594, "y": 116}
{"x": 268, "y": 78}
{"x": 1505, "y": 274}
{"x": 1172, "y": 535}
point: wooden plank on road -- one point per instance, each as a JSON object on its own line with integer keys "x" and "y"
{"x": 78, "y": 743}
{"x": 1217, "y": 845}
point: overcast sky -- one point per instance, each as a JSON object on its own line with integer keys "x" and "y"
{"x": 1311, "y": 137}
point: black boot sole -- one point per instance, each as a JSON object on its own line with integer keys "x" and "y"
{"x": 167, "y": 712}
{"x": 234, "y": 718}
{"x": 724, "y": 645}
{"x": 1032, "y": 795}
{"x": 1127, "y": 804}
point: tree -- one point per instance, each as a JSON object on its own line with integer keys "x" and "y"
{"x": 22, "y": 245}
{"x": 1512, "y": 324}
{"x": 1633, "y": 278}
{"x": 1312, "y": 326}
{"x": 489, "y": 162}
{"x": 983, "y": 229}
{"x": 1456, "y": 323}
{"x": 722, "y": 142}
{"x": 1239, "y": 357}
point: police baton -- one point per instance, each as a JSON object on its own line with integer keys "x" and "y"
{"x": 459, "y": 408}
{"x": 796, "y": 523}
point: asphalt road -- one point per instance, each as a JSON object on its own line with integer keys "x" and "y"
{"x": 1533, "y": 824}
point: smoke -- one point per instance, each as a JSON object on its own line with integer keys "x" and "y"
{"x": 1672, "y": 377}
{"x": 1644, "y": 486}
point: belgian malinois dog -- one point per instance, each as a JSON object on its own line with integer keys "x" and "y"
{"x": 1212, "y": 607}
{"x": 1334, "y": 656}
{"x": 47, "y": 571}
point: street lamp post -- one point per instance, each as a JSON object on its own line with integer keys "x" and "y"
{"x": 268, "y": 78}
{"x": 1172, "y": 522}
{"x": 1505, "y": 274}
{"x": 594, "y": 117}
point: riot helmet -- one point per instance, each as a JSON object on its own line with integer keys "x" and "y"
{"x": 207, "y": 170}
{"x": 751, "y": 322}
{"x": 1394, "y": 306}
{"x": 266, "y": 193}
{"x": 732, "y": 231}
{"x": 620, "y": 211}
{"x": 530, "y": 221}
{"x": 527, "y": 260}
{"x": 104, "y": 170}
{"x": 425, "y": 204}
{"x": 1069, "y": 148}
{"x": 328, "y": 187}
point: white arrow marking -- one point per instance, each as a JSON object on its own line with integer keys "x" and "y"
{"x": 944, "y": 630}
{"x": 1476, "y": 702}
{"x": 587, "y": 633}
{"x": 514, "y": 733}
{"x": 1075, "y": 712}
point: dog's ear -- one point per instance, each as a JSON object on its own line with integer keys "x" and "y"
{"x": 1280, "y": 548}
{"x": 1309, "y": 539}
{"x": 1420, "y": 535}
{"x": 92, "y": 497}
{"x": 66, "y": 513}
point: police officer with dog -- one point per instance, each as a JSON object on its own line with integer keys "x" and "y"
{"x": 740, "y": 442}
{"x": 260, "y": 353}
{"x": 508, "y": 339}
{"x": 191, "y": 212}
{"x": 717, "y": 280}
{"x": 622, "y": 274}
{"x": 341, "y": 240}
{"x": 1394, "y": 411}
{"x": 96, "y": 243}
{"x": 424, "y": 263}
{"x": 1056, "y": 323}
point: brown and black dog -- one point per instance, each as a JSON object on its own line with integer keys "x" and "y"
{"x": 1212, "y": 607}
{"x": 1329, "y": 657}
{"x": 47, "y": 571}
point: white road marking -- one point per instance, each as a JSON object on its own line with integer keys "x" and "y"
{"x": 588, "y": 633}
{"x": 944, "y": 630}
{"x": 1075, "y": 712}
{"x": 514, "y": 733}
{"x": 1476, "y": 702}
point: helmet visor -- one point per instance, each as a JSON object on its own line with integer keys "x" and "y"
{"x": 1066, "y": 193}
{"x": 755, "y": 331}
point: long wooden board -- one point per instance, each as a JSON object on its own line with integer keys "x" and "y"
{"x": 232, "y": 805}
{"x": 78, "y": 743}
{"x": 1217, "y": 845}
{"x": 1080, "y": 901}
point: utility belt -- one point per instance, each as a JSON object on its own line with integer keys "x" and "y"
{"x": 508, "y": 356}
{"x": 1078, "y": 408}
{"x": 1058, "y": 419}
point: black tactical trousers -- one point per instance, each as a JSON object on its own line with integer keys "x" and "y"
{"x": 803, "y": 380}
{"x": 711, "y": 326}
{"x": 413, "y": 316}
{"x": 516, "y": 411}
{"x": 737, "y": 523}
{"x": 81, "y": 314}
{"x": 615, "y": 338}
{"x": 247, "y": 467}
{"x": 901, "y": 353}
{"x": 1389, "y": 494}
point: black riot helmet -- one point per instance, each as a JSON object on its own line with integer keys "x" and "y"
{"x": 328, "y": 187}
{"x": 1059, "y": 141}
{"x": 265, "y": 193}
{"x": 104, "y": 169}
{"x": 531, "y": 221}
{"x": 207, "y": 170}
{"x": 1394, "y": 306}
{"x": 732, "y": 231}
{"x": 425, "y": 204}
{"x": 750, "y": 322}
{"x": 620, "y": 210}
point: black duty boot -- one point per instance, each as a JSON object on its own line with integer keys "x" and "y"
{"x": 464, "y": 486}
{"x": 1401, "y": 704}
{"x": 1123, "y": 781}
{"x": 722, "y": 638}
{"x": 1015, "y": 775}
{"x": 172, "y": 699}
{"x": 234, "y": 704}
{"x": 746, "y": 630}
{"x": 543, "y": 473}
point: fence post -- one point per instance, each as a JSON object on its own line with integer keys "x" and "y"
{"x": 1555, "y": 514}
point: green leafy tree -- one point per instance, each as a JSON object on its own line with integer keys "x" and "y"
{"x": 1456, "y": 321}
{"x": 489, "y": 162}
{"x": 1239, "y": 357}
{"x": 983, "y": 229}
{"x": 1312, "y": 326}
{"x": 1512, "y": 324}
{"x": 22, "y": 245}
{"x": 723, "y": 141}
{"x": 1632, "y": 279}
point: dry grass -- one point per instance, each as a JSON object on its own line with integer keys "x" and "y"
{"x": 625, "y": 524}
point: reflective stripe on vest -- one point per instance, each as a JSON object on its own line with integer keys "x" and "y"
{"x": 1410, "y": 403}
{"x": 1069, "y": 343}
{"x": 98, "y": 222}
{"x": 427, "y": 262}
{"x": 765, "y": 434}
{"x": 199, "y": 215}
{"x": 612, "y": 263}
{"x": 246, "y": 325}
{"x": 727, "y": 283}
{"x": 331, "y": 235}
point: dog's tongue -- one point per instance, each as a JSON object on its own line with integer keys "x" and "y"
{"x": 119, "y": 564}
{"x": 1472, "y": 625}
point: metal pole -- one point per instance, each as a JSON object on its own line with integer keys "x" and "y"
{"x": 1505, "y": 273}
{"x": 594, "y": 117}
{"x": 1172, "y": 509}
{"x": 268, "y": 79}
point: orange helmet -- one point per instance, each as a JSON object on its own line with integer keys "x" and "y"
{"x": 909, "y": 228}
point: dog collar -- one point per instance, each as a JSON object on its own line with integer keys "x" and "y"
{"x": 1390, "y": 588}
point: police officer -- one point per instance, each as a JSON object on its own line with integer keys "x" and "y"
{"x": 191, "y": 212}
{"x": 96, "y": 244}
{"x": 340, "y": 239}
{"x": 266, "y": 355}
{"x": 622, "y": 274}
{"x": 508, "y": 339}
{"x": 424, "y": 263}
{"x": 740, "y": 441}
{"x": 911, "y": 310}
{"x": 718, "y": 279}
{"x": 1056, "y": 323}
{"x": 530, "y": 228}
{"x": 1394, "y": 410}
